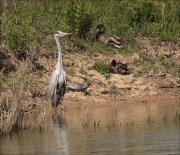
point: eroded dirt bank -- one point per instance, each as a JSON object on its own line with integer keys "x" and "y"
{"x": 149, "y": 85}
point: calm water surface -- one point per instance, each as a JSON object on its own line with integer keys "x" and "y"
{"x": 137, "y": 128}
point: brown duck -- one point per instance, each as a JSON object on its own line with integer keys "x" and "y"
{"x": 119, "y": 68}
{"x": 107, "y": 38}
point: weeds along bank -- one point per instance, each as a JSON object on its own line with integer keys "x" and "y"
{"x": 27, "y": 29}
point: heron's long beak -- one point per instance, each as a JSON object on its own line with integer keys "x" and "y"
{"x": 66, "y": 34}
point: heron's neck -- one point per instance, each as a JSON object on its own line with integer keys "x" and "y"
{"x": 59, "y": 52}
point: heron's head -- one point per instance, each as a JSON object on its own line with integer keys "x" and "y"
{"x": 61, "y": 34}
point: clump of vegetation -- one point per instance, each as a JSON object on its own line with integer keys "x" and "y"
{"x": 167, "y": 64}
{"x": 79, "y": 17}
{"x": 102, "y": 68}
{"x": 3, "y": 81}
{"x": 83, "y": 71}
{"x": 78, "y": 46}
{"x": 170, "y": 66}
{"x": 71, "y": 72}
{"x": 16, "y": 110}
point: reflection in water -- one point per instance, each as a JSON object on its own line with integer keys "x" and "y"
{"x": 136, "y": 128}
{"x": 60, "y": 133}
{"x": 144, "y": 128}
{"x": 54, "y": 140}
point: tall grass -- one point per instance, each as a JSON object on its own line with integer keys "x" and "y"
{"x": 79, "y": 16}
{"x": 16, "y": 111}
{"x": 17, "y": 101}
{"x": 17, "y": 108}
{"x": 150, "y": 18}
{"x": 26, "y": 23}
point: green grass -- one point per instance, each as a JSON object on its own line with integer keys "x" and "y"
{"x": 26, "y": 23}
{"x": 166, "y": 63}
{"x": 71, "y": 71}
{"x": 78, "y": 45}
{"x": 82, "y": 71}
{"x": 3, "y": 82}
{"x": 102, "y": 68}
{"x": 170, "y": 66}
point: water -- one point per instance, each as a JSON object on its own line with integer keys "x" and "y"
{"x": 137, "y": 128}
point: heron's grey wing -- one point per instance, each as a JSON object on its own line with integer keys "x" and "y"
{"x": 53, "y": 82}
{"x": 61, "y": 88}
{"x": 62, "y": 78}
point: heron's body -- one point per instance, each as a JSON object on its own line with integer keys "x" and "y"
{"x": 58, "y": 78}
{"x": 107, "y": 38}
{"x": 58, "y": 86}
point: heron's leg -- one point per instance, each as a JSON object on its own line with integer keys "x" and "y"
{"x": 54, "y": 100}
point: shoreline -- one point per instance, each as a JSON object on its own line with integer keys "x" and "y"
{"x": 118, "y": 100}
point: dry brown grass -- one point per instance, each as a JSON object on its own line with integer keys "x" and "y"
{"x": 19, "y": 107}
{"x": 17, "y": 111}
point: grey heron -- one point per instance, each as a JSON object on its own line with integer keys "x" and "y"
{"x": 58, "y": 79}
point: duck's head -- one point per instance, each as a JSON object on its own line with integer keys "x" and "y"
{"x": 101, "y": 28}
{"x": 113, "y": 63}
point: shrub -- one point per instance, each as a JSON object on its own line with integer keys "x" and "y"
{"x": 79, "y": 17}
{"x": 17, "y": 39}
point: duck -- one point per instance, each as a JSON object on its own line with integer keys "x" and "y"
{"x": 119, "y": 68}
{"x": 107, "y": 38}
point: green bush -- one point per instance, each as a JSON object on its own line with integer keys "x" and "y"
{"x": 28, "y": 23}
{"x": 79, "y": 17}
{"x": 17, "y": 39}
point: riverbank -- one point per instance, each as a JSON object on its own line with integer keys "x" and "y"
{"x": 155, "y": 76}
{"x": 159, "y": 78}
